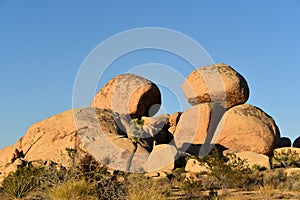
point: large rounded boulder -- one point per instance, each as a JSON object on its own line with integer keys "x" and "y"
{"x": 248, "y": 128}
{"x": 129, "y": 94}
{"x": 219, "y": 84}
{"x": 242, "y": 128}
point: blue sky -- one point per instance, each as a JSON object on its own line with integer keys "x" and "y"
{"x": 43, "y": 44}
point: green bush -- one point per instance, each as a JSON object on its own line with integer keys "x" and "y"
{"x": 227, "y": 172}
{"x": 107, "y": 185}
{"x": 287, "y": 158}
{"x": 18, "y": 184}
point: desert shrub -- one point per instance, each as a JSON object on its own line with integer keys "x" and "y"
{"x": 290, "y": 183}
{"x": 143, "y": 188}
{"x": 107, "y": 185}
{"x": 266, "y": 192}
{"x": 287, "y": 158}
{"x": 52, "y": 177}
{"x": 18, "y": 184}
{"x": 111, "y": 187}
{"x": 72, "y": 190}
{"x": 274, "y": 178}
{"x": 192, "y": 188}
{"x": 258, "y": 167}
{"x": 226, "y": 172}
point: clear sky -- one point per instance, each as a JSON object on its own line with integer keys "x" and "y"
{"x": 43, "y": 44}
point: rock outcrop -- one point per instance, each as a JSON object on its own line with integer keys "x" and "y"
{"x": 129, "y": 94}
{"x": 106, "y": 132}
{"x": 90, "y": 131}
{"x": 218, "y": 83}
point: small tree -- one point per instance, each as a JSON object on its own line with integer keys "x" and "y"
{"x": 135, "y": 134}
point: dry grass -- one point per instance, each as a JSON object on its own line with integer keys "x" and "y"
{"x": 72, "y": 190}
{"x": 142, "y": 188}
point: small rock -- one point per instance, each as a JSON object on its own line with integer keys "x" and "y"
{"x": 192, "y": 177}
{"x": 20, "y": 162}
{"x": 36, "y": 163}
{"x": 292, "y": 172}
{"x": 161, "y": 158}
{"x": 172, "y": 129}
{"x": 152, "y": 174}
{"x": 195, "y": 166}
{"x": 254, "y": 159}
{"x": 174, "y": 118}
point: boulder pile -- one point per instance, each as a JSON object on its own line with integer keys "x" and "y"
{"x": 106, "y": 129}
{"x": 219, "y": 115}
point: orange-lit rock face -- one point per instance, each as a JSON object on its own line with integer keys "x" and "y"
{"x": 129, "y": 94}
{"x": 217, "y": 83}
{"x": 243, "y": 128}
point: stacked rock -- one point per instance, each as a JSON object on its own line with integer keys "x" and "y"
{"x": 218, "y": 114}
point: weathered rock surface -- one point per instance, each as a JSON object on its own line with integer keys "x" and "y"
{"x": 195, "y": 166}
{"x": 283, "y": 142}
{"x": 243, "y": 127}
{"x": 90, "y": 131}
{"x": 107, "y": 143}
{"x": 48, "y": 139}
{"x": 162, "y": 158}
{"x": 248, "y": 128}
{"x": 296, "y": 142}
{"x": 6, "y": 156}
{"x": 218, "y": 83}
{"x": 193, "y": 126}
{"x": 129, "y": 94}
{"x": 172, "y": 129}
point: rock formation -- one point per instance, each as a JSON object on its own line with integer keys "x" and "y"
{"x": 218, "y": 116}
